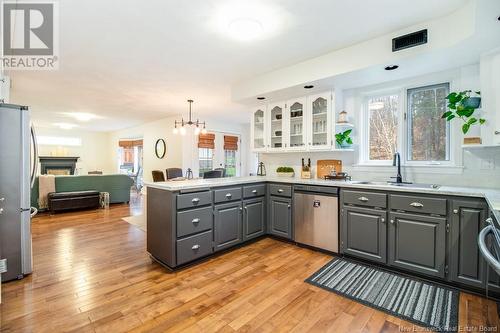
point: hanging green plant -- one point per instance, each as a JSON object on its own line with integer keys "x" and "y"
{"x": 462, "y": 106}
{"x": 344, "y": 139}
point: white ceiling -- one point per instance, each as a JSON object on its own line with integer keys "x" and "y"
{"x": 135, "y": 61}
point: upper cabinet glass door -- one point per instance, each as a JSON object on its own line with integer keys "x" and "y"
{"x": 276, "y": 115}
{"x": 258, "y": 128}
{"x": 296, "y": 129}
{"x": 320, "y": 121}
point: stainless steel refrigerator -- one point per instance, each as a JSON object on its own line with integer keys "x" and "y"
{"x": 18, "y": 161}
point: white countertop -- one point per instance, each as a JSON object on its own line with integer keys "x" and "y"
{"x": 491, "y": 195}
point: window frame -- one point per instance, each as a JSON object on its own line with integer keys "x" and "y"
{"x": 205, "y": 159}
{"x": 403, "y": 125}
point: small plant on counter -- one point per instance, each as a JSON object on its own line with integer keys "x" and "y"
{"x": 462, "y": 105}
{"x": 285, "y": 171}
{"x": 344, "y": 139}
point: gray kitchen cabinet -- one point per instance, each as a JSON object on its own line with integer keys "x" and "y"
{"x": 417, "y": 243}
{"x": 466, "y": 263}
{"x": 364, "y": 232}
{"x": 254, "y": 218}
{"x": 280, "y": 217}
{"x": 227, "y": 225}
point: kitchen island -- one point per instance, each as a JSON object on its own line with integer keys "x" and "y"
{"x": 427, "y": 231}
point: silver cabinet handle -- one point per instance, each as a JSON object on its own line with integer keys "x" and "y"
{"x": 382, "y": 220}
{"x": 229, "y": 195}
{"x": 195, "y": 200}
{"x": 2, "y": 199}
{"x": 489, "y": 220}
{"x": 195, "y": 247}
{"x": 497, "y": 132}
{"x": 416, "y": 205}
{"x": 1, "y": 211}
{"x": 241, "y": 209}
{"x": 392, "y": 221}
{"x": 246, "y": 208}
{"x": 490, "y": 259}
{"x": 196, "y": 220}
{"x": 289, "y": 206}
{"x": 280, "y": 190}
{"x": 364, "y": 199}
{"x": 455, "y": 211}
{"x": 254, "y": 191}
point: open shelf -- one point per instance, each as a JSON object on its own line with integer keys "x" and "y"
{"x": 475, "y": 146}
{"x": 344, "y": 125}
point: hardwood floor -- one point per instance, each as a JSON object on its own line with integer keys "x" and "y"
{"x": 92, "y": 274}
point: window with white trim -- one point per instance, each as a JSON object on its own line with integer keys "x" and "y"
{"x": 408, "y": 121}
{"x": 206, "y": 160}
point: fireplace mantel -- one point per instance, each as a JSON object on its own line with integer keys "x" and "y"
{"x": 58, "y": 165}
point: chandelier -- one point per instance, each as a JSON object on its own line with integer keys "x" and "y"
{"x": 200, "y": 126}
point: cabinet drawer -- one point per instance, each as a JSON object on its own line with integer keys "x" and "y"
{"x": 254, "y": 191}
{"x": 196, "y": 199}
{"x": 362, "y": 198}
{"x": 194, "y": 221}
{"x": 418, "y": 204}
{"x": 228, "y": 194}
{"x": 280, "y": 190}
{"x": 194, "y": 247}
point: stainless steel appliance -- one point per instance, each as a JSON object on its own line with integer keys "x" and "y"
{"x": 490, "y": 253}
{"x": 316, "y": 216}
{"x": 17, "y": 173}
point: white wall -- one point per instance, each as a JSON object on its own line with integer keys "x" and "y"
{"x": 480, "y": 167}
{"x": 182, "y": 151}
{"x": 93, "y": 152}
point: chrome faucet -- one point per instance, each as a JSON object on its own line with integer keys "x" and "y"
{"x": 397, "y": 162}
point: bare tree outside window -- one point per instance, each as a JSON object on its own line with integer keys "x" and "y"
{"x": 383, "y": 127}
{"x": 428, "y": 133}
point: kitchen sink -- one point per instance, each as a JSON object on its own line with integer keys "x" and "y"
{"x": 410, "y": 185}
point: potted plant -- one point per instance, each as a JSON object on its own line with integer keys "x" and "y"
{"x": 344, "y": 139}
{"x": 462, "y": 106}
{"x": 285, "y": 172}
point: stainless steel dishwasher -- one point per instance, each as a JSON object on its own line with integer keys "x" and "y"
{"x": 316, "y": 220}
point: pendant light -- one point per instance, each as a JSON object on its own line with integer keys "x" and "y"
{"x": 198, "y": 125}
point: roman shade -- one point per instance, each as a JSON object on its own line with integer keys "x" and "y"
{"x": 130, "y": 143}
{"x": 230, "y": 142}
{"x": 206, "y": 141}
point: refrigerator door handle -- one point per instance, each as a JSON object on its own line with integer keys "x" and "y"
{"x": 34, "y": 168}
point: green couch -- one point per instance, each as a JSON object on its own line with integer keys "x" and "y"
{"x": 117, "y": 185}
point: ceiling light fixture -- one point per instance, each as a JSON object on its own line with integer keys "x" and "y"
{"x": 309, "y": 86}
{"x": 65, "y": 126}
{"x": 261, "y": 98}
{"x": 200, "y": 126}
{"x": 391, "y": 67}
{"x": 244, "y": 28}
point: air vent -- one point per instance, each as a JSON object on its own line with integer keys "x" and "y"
{"x": 410, "y": 40}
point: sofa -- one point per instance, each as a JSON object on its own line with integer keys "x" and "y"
{"x": 118, "y": 186}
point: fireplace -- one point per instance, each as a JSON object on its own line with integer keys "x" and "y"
{"x": 57, "y": 165}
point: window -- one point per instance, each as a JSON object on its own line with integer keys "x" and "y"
{"x": 422, "y": 138}
{"x": 206, "y": 160}
{"x": 382, "y": 127}
{"x": 230, "y": 162}
{"x": 428, "y": 134}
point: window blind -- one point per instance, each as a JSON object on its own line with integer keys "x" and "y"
{"x": 206, "y": 141}
{"x": 230, "y": 142}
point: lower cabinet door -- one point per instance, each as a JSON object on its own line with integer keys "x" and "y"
{"x": 227, "y": 225}
{"x": 280, "y": 217}
{"x": 364, "y": 233}
{"x": 466, "y": 263}
{"x": 417, "y": 243}
{"x": 253, "y": 218}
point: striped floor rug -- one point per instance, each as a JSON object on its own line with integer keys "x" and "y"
{"x": 422, "y": 303}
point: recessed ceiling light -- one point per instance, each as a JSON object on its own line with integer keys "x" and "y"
{"x": 309, "y": 86}
{"x": 391, "y": 67}
{"x": 245, "y": 28}
{"x": 81, "y": 116}
{"x": 66, "y": 126}
{"x": 261, "y": 98}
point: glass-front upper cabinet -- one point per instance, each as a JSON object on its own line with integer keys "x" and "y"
{"x": 296, "y": 128}
{"x": 259, "y": 129}
{"x": 319, "y": 121}
{"x": 276, "y": 112}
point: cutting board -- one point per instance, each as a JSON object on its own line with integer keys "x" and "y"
{"x": 324, "y": 167}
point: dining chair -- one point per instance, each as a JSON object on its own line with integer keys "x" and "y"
{"x": 173, "y": 173}
{"x": 212, "y": 174}
{"x": 158, "y": 176}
